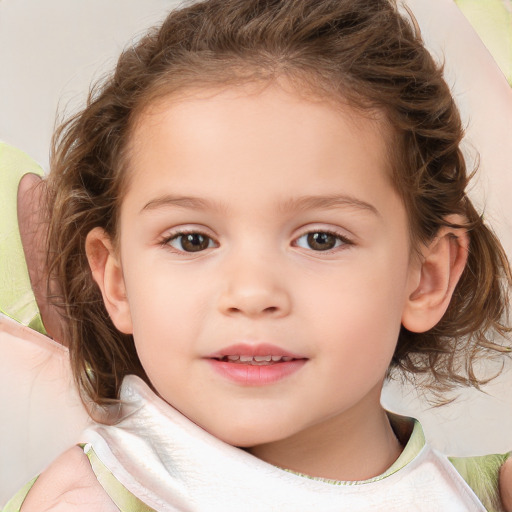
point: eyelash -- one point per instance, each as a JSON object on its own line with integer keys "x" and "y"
{"x": 166, "y": 242}
{"x": 341, "y": 241}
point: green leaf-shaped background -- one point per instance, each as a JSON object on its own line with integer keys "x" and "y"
{"x": 492, "y": 20}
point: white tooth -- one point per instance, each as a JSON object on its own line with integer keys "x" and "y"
{"x": 245, "y": 359}
{"x": 260, "y": 359}
{"x": 285, "y": 358}
{"x": 233, "y": 358}
{"x": 276, "y": 358}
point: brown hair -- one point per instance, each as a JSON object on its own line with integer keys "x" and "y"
{"x": 353, "y": 51}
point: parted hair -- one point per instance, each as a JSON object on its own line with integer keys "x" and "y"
{"x": 364, "y": 54}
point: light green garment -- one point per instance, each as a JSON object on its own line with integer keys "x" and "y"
{"x": 17, "y": 300}
{"x": 482, "y": 475}
{"x": 124, "y": 499}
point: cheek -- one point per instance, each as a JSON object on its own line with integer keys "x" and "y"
{"x": 359, "y": 309}
{"x": 361, "y": 328}
{"x": 162, "y": 296}
{"x": 360, "y": 343}
{"x": 167, "y": 315}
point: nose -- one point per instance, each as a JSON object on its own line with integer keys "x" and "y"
{"x": 254, "y": 288}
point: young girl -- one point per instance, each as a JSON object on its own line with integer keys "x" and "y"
{"x": 256, "y": 218}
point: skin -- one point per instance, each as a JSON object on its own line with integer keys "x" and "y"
{"x": 506, "y": 485}
{"x": 68, "y": 484}
{"x": 248, "y": 158}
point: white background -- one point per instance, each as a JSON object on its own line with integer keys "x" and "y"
{"x": 51, "y": 50}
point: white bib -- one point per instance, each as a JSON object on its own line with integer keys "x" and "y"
{"x": 171, "y": 464}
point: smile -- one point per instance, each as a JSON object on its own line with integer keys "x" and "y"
{"x": 255, "y": 365}
{"x": 256, "y": 360}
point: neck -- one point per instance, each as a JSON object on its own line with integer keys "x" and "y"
{"x": 357, "y": 445}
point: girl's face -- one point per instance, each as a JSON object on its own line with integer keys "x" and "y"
{"x": 263, "y": 264}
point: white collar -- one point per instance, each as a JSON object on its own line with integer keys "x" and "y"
{"x": 171, "y": 464}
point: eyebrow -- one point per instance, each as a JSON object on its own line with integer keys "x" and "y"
{"x": 193, "y": 203}
{"x": 327, "y": 202}
{"x": 302, "y": 203}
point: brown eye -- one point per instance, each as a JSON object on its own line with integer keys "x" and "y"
{"x": 191, "y": 242}
{"x": 320, "y": 241}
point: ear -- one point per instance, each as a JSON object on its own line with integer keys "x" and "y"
{"x": 108, "y": 274}
{"x": 434, "y": 279}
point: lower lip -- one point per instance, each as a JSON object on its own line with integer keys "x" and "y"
{"x": 256, "y": 375}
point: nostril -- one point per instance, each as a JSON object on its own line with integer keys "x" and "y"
{"x": 270, "y": 310}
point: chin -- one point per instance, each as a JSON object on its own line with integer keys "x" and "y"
{"x": 248, "y": 437}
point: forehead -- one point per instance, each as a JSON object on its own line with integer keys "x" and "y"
{"x": 248, "y": 136}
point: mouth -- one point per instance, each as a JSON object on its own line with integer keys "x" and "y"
{"x": 255, "y": 365}
{"x": 255, "y": 360}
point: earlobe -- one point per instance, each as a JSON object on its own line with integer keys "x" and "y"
{"x": 442, "y": 263}
{"x": 107, "y": 272}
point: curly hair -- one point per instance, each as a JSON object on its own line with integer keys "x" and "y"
{"x": 365, "y": 54}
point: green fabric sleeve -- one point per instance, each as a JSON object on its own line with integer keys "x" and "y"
{"x": 124, "y": 499}
{"x": 482, "y": 475}
{"x": 15, "y": 503}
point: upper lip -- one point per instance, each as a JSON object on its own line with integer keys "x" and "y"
{"x": 259, "y": 349}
